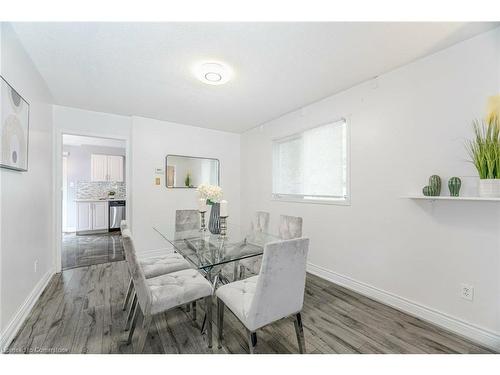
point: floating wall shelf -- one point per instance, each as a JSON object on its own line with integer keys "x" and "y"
{"x": 448, "y": 198}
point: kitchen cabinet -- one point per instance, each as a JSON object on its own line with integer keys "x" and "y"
{"x": 99, "y": 167}
{"x": 115, "y": 168}
{"x": 83, "y": 216}
{"x": 92, "y": 216}
{"x": 106, "y": 168}
{"x": 100, "y": 216}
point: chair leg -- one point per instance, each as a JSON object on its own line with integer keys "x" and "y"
{"x": 208, "y": 308}
{"x": 194, "y": 311}
{"x": 236, "y": 268}
{"x": 299, "y": 331}
{"x": 131, "y": 310}
{"x": 133, "y": 324}
{"x": 220, "y": 322}
{"x": 252, "y": 338}
{"x": 129, "y": 292}
{"x": 144, "y": 334}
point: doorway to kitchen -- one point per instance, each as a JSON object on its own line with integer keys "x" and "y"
{"x": 93, "y": 200}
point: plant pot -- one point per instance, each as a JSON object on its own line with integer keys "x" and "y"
{"x": 214, "y": 221}
{"x": 489, "y": 188}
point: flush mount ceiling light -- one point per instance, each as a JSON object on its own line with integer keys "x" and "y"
{"x": 213, "y": 73}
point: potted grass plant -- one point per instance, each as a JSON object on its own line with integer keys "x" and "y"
{"x": 484, "y": 151}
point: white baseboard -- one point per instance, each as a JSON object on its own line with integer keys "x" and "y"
{"x": 474, "y": 333}
{"x": 15, "y": 324}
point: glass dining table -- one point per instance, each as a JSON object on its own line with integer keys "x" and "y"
{"x": 213, "y": 253}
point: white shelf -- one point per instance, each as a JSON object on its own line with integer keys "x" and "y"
{"x": 448, "y": 198}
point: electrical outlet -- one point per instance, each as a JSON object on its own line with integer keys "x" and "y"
{"x": 36, "y": 266}
{"x": 467, "y": 292}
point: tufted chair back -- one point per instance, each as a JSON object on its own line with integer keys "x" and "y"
{"x": 261, "y": 222}
{"x": 141, "y": 288}
{"x": 187, "y": 220}
{"x": 290, "y": 227}
{"x": 280, "y": 285}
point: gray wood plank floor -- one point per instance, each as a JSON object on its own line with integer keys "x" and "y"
{"x": 80, "y": 312}
{"x": 89, "y": 249}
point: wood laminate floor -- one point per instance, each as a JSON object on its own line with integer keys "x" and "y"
{"x": 80, "y": 312}
{"x": 89, "y": 249}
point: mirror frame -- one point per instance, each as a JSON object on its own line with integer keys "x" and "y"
{"x": 192, "y": 157}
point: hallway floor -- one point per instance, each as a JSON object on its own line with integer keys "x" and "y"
{"x": 87, "y": 250}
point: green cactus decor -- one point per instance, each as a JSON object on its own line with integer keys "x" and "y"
{"x": 454, "y": 184}
{"x": 429, "y": 191}
{"x": 435, "y": 181}
{"x": 434, "y": 187}
{"x": 187, "y": 180}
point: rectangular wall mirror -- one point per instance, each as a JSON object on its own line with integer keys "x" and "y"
{"x": 190, "y": 171}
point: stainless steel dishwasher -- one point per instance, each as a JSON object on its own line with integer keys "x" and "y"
{"x": 116, "y": 214}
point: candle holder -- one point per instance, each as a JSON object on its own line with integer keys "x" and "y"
{"x": 203, "y": 227}
{"x": 223, "y": 226}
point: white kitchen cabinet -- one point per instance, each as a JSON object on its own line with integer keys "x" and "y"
{"x": 99, "y": 167}
{"x": 83, "y": 216}
{"x": 106, "y": 168}
{"x": 92, "y": 216}
{"x": 100, "y": 215}
{"x": 115, "y": 168}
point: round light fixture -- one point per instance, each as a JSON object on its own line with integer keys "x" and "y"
{"x": 213, "y": 77}
{"x": 213, "y": 73}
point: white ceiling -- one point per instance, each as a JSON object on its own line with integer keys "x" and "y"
{"x": 80, "y": 140}
{"x": 145, "y": 69}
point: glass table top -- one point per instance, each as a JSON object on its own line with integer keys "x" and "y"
{"x": 206, "y": 250}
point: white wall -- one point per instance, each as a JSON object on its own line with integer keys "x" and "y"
{"x": 82, "y": 122}
{"x": 411, "y": 126}
{"x": 148, "y": 143}
{"x": 153, "y": 205}
{"x": 26, "y": 197}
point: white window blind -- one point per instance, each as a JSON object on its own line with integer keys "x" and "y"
{"x": 312, "y": 165}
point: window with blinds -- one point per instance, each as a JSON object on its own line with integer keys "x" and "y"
{"x": 312, "y": 165}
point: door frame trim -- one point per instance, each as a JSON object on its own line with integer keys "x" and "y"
{"x": 57, "y": 182}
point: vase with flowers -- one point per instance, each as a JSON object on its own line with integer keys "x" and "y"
{"x": 212, "y": 194}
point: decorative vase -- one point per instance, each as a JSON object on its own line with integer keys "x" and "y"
{"x": 454, "y": 184}
{"x": 435, "y": 182}
{"x": 429, "y": 191}
{"x": 489, "y": 188}
{"x": 214, "y": 221}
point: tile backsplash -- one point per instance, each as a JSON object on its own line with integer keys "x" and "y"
{"x": 96, "y": 190}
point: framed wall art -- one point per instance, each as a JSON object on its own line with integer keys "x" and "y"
{"x": 14, "y": 128}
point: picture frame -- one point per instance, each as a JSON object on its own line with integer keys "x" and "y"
{"x": 14, "y": 128}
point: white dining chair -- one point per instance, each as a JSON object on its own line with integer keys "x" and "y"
{"x": 153, "y": 267}
{"x": 160, "y": 294}
{"x": 260, "y": 223}
{"x": 290, "y": 227}
{"x": 187, "y": 220}
{"x": 276, "y": 293}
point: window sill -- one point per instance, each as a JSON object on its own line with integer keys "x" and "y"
{"x": 334, "y": 202}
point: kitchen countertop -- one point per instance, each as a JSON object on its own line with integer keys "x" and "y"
{"x": 100, "y": 200}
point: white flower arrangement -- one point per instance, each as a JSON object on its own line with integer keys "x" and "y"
{"x": 212, "y": 193}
